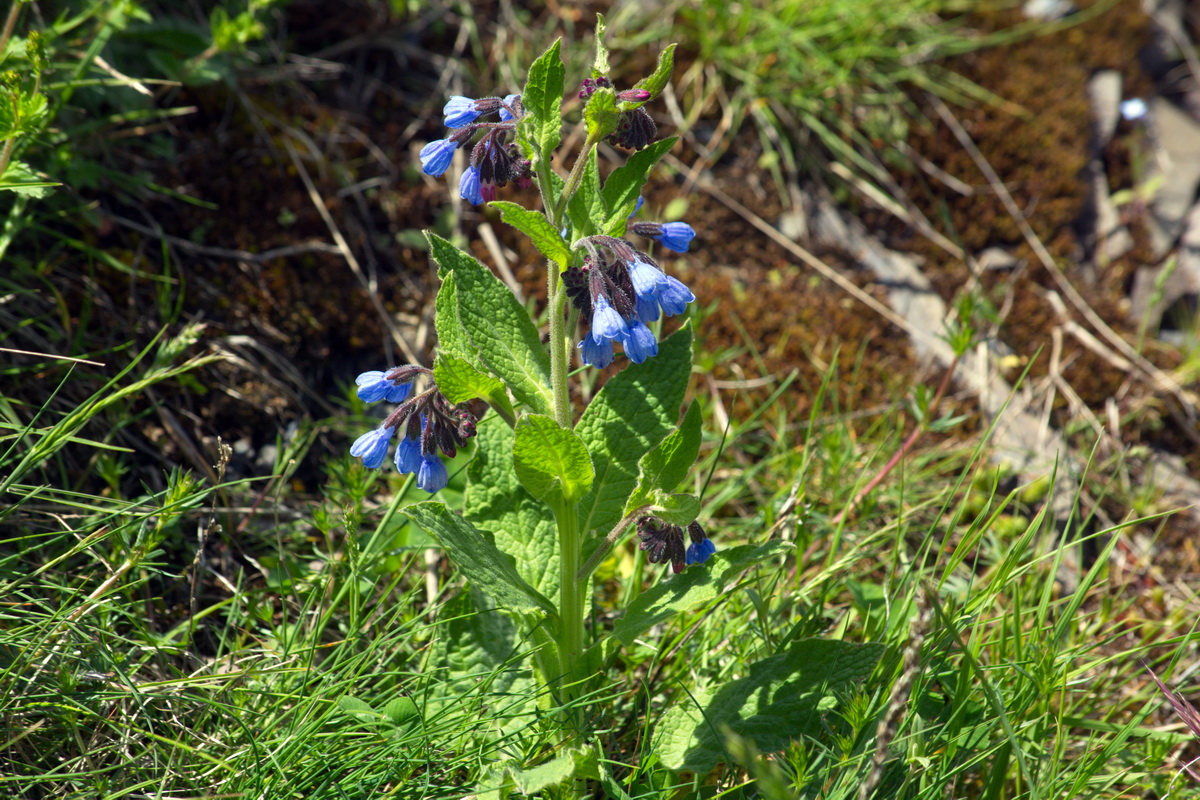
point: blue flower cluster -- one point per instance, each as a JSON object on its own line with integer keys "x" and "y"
{"x": 663, "y": 543}
{"x": 621, "y": 290}
{"x": 495, "y": 159}
{"x": 430, "y": 424}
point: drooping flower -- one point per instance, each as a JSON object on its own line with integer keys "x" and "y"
{"x": 469, "y": 186}
{"x": 647, "y": 308}
{"x": 645, "y": 277}
{"x": 375, "y": 386}
{"x": 461, "y": 111}
{"x": 673, "y": 295}
{"x": 596, "y": 354}
{"x": 606, "y": 322}
{"x": 675, "y": 236}
{"x": 702, "y": 548}
{"x": 408, "y": 456}
{"x": 432, "y": 474}
{"x": 372, "y": 446}
{"x": 429, "y": 424}
{"x": 638, "y": 341}
{"x": 619, "y": 290}
{"x": 436, "y": 156}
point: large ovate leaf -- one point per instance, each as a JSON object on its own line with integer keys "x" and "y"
{"x": 625, "y": 183}
{"x": 634, "y": 411}
{"x": 541, "y": 233}
{"x": 476, "y": 556}
{"x": 478, "y": 659}
{"x": 497, "y": 326}
{"x": 522, "y": 527}
{"x": 665, "y": 467}
{"x": 452, "y": 337}
{"x": 540, "y": 129}
{"x": 460, "y": 382}
{"x": 781, "y": 700}
{"x": 551, "y": 462}
{"x": 692, "y": 588}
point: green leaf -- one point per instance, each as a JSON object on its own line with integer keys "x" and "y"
{"x": 782, "y": 699}
{"x": 668, "y": 464}
{"x": 657, "y": 81}
{"x": 551, "y": 462}
{"x": 19, "y": 178}
{"x": 633, "y": 412}
{"x": 587, "y": 209}
{"x": 534, "y": 224}
{"x": 540, "y": 129}
{"x": 497, "y": 326}
{"x": 600, "y": 115}
{"x": 523, "y": 527}
{"x": 474, "y": 553}
{"x": 477, "y": 660}
{"x": 625, "y": 183}
{"x": 460, "y": 382}
{"x": 691, "y": 589}
{"x": 452, "y": 337}
{"x": 675, "y": 509}
{"x": 401, "y": 711}
{"x": 358, "y": 709}
{"x": 504, "y": 778}
{"x": 600, "y": 66}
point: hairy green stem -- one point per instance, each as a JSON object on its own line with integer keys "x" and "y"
{"x": 560, "y": 343}
{"x": 570, "y": 592}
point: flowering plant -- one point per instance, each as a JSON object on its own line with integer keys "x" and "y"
{"x": 548, "y": 494}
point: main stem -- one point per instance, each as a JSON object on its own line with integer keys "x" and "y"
{"x": 570, "y": 546}
{"x": 570, "y": 598}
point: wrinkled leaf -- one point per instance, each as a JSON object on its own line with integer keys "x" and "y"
{"x": 551, "y": 462}
{"x": 668, "y": 464}
{"x": 501, "y": 780}
{"x": 540, "y": 129}
{"x": 600, "y": 115}
{"x": 497, "y": 326}
{"x": 523, "y": 527}
{"x": 534, "y": 224}
{"x": 475, "y": 555}
{"x": 628, "y": 416}
{"x": 782, "y": 699}
{"x": 460, "y": 382}
{"x": 675, "y": 509}
{"x": 625, "y": 183}
{"x": 452, "y": 337}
